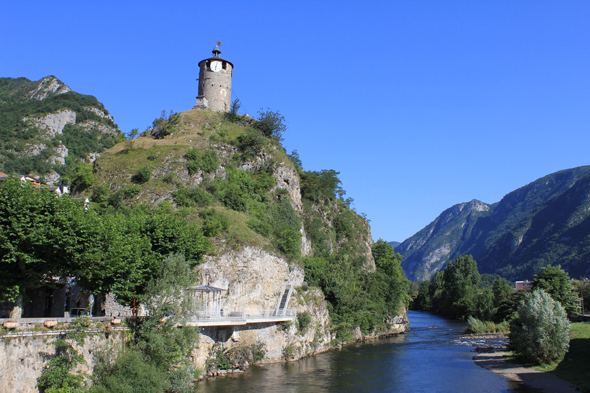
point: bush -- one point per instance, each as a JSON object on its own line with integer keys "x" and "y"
{"x": 540, "y": 332}
{"x": 189, "y": 197}
{"x": 476, "y": 326}
{"x": 303, "y": 321}
{"x": 251, "y": 142}
{"x": 83, "y": 177}
{"x": 215, "y": 222}
{"x": 142, "y": 175}
{"x": 130, "y": 372}
{"x": 197, "y": 160}
{"x": 271, "y": 123}
{"x": 100, "y": 194}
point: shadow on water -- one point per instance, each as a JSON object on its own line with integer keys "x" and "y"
{"x": 428, "y": 358}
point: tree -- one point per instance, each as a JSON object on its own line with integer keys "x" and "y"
{"x": 165, "y": 125}
{"x": 271, "y": 123}
{"x": 540, "y": 332}
{"x": 133, "y": 133}
{"x": 142, "y": 175}
{"x": 501, "y": 289}
{"x": 388, "y": 262}
{"x": 83, "y": 176}
{"x": 459, "y": 288}
{"x": 41, "y": 237}
{"x": 556, "y": 282}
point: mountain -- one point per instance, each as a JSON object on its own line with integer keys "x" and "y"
{"x": 394, "y": 244}
{"x": 542, "y": 223}
{"x": 46, "y": 128}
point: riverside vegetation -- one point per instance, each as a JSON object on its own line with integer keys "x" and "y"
{"x": 536, "y": 321}
{"x": 192, "y": 184}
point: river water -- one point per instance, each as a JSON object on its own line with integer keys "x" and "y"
{"x": 428, "y": 358}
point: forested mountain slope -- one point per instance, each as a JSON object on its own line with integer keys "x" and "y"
{"x": 45, "y": 128}
{"x": 544, "y": 222}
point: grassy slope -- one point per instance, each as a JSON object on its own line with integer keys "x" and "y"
{"x": 203, "y": 130}
{"x": 575, "y": 367}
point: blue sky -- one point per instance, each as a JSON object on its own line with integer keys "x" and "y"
{"x": 418, "y": 104}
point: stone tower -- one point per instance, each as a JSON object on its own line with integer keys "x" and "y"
{"x": 215, "y": 83}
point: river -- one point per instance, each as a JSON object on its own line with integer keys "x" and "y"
{"x": 427, "y": 358}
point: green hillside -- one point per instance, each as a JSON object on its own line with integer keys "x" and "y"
{"x": 231, "y": 177}
{"x": 46, "y": 128}
{"x": 542, "y": 223}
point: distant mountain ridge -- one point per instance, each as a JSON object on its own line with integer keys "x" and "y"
{"x": 542, "y": 223}
{"x": 46, "y": 128}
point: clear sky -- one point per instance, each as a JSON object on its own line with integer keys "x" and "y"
{"x": 418, "y": 104}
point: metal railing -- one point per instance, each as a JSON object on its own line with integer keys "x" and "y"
{"x": 223, "y": 316}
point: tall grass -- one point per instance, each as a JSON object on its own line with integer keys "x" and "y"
{"x": 476, "y": 326}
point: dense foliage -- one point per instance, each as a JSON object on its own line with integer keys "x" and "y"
{"x": 25, "y": 147}
{"x": 43, "y": 236}
{"x": 540, "y": 331}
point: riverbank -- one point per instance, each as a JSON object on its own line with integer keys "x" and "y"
{"x": 527, "y": 376}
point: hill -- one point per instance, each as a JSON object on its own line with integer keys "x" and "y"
{"x": 224, "y": 174}
{"x": 542, "y": 223}
{"x": 46, "y": 128}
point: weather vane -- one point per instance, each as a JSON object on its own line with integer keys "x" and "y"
{"x": 218, "y": 43}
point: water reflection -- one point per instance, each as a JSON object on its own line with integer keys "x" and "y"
{"x": 428, "y": 358}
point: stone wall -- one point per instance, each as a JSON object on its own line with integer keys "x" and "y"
{"x": 22, "y": 359}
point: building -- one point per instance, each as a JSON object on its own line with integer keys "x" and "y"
{"x": 215, "y": 75}
{"x": 526, "y": 285}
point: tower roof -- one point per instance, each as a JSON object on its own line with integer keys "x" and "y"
{"x": 216, "y": 52}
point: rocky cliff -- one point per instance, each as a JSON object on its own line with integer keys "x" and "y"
{"x": 46, "y": 128}
{"x": 211, "y": 167}
{"x": 543, "y": 223}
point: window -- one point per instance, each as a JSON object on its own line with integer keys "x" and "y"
{"x": 224, "y": 65}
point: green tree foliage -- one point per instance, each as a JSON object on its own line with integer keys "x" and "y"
{"x": 540, "y": 332}
{"x": 100, "y": 194}
{"x": 59, "y": 374}
{"x": 243, "y": 191}
{"x": 195, "y": 196}
{"x": 160, "y": 353}
{"x": 556, "y": 282}
{"x": 251, "y": 143}
{"x": 198, "y": 160}
{"x": 143, "y": 175}
{"x": 501, "y": 288}
{"x": 271, "y": 123}
{"x": 16, "y": 134}
{"x": 215, "y": 222}
{"x": 42, "y": 235}
{"x": 165, "y": 125}
{"x": 321, "y": 186}
{"x": 83, "y": 176}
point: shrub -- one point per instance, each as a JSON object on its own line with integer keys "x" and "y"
{"x": 100, "y": 194}
{"x": 189, "y": 197}
{"x": 303, "y": 321}
{"x": 130, "y": 372}
{"x": 197, "y": 160}
{"x": 142, "y": 175}
{"x": 251, "y": 142}
{"x": 540, "y": 332}
{"x": 271, "y": 123}
{"x": 83, "y": 177}
{"x": 215, "y": 222}
{"x": 169, "y": 178}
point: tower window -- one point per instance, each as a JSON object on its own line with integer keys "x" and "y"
{"x": 224, "y": 65}
{"x": 208, "y": 64}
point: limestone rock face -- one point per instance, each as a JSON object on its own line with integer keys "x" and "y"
{"x": 253, "y": 280}
{"x": 48, "y": 86}
{"x": 287, "y": 179}
{"x": 22, "y": 359}
{"x": 60, "y": 154}
{"x": 53, "y": 123}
